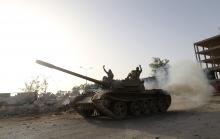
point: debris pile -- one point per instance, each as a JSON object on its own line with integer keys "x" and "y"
{"x": 32, "y": 103}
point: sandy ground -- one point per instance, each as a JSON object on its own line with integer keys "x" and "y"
{"x": 199, "y": 123}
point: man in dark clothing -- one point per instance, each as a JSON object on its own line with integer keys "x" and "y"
{"x": 135, "y": 74}
{"x": 109, "y": 73}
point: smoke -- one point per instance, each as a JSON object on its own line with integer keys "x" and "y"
{"x": 186, "y": 83}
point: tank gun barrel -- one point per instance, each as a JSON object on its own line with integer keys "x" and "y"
{"x": 69, "y": 72}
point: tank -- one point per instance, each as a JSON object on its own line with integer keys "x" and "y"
{"x": 117, "y": 99}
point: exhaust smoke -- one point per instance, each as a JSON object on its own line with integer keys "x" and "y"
{"x": 187, "y": 84}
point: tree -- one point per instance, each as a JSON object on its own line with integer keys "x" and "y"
{"x": 86, "y": 87}
{"x": 159, "y": 64}
{"x": 44, "y": 86}
{"x": 36, "y": 85}
{"x": 76, "y": 90}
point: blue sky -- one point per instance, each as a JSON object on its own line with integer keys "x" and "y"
{"x": 144, "y": 29}
{"x": 120, "y": 34}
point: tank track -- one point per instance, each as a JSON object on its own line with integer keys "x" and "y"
{"x": 120, "y": 108}
{"x": 117, "y": 106}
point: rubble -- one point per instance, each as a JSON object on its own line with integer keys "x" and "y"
{"x": 5, "y": 95}
{"x": 19, "y": 99}
{"x": 18, "y": 110}
{"x": 32, "y": 103}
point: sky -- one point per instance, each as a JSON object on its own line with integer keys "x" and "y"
{"x": 120, "y": 34}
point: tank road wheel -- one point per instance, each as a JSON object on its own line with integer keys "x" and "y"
{"x": 162, "y": 105}
{"x": 135, "y": 108}
{"x": 153, "y": 106}
{"x": 145, "y": 107}
{"x": 120, "y": 109}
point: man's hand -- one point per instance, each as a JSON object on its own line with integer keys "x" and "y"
{"x": 140, "y": 68}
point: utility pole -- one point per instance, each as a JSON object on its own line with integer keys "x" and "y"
{"x": 86, "y": 70}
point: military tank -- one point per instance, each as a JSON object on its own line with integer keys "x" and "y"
{"x": 117, "y": 99}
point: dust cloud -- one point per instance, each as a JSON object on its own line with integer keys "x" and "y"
{"x": 187, "y": 84}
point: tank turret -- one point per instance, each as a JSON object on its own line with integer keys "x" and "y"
{"x": 126, "y": 85}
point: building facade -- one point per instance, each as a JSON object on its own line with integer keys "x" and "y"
{"x": 207, "y": 53}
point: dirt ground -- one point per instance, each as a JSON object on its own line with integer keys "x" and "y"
{"x": 199, "y": 123}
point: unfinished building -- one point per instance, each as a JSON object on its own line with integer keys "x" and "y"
{"x": 207, "y": 53}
